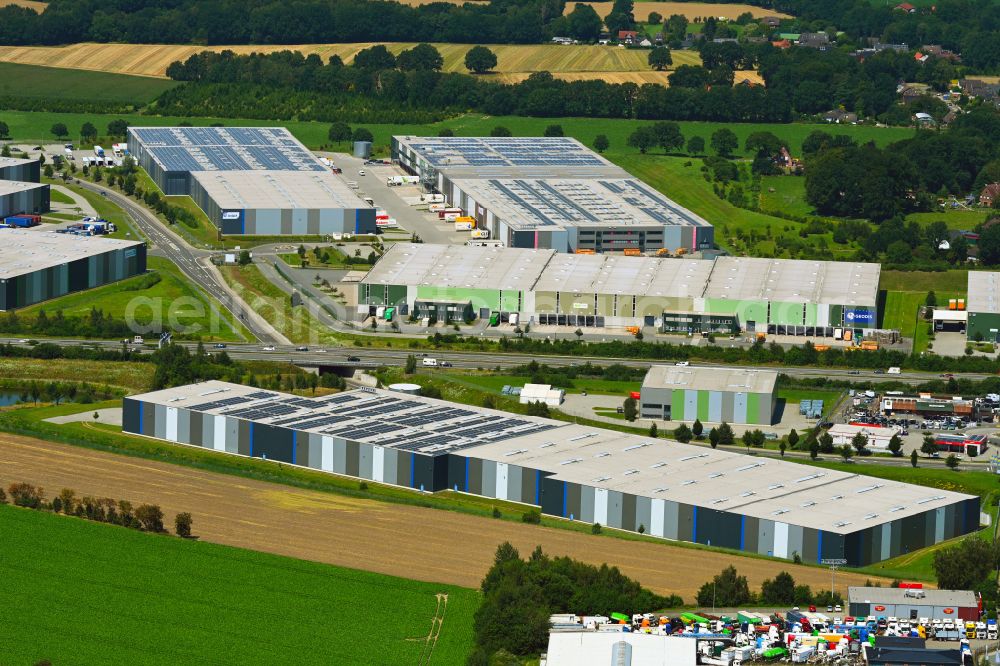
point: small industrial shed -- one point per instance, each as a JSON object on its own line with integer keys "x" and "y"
{"x": 878, "y": 438}
{"x": 685, "y": 393}
{"x": 912, "y": 604}
{"x": 542, "y": 393}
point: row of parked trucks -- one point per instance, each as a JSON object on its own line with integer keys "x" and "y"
{"x": 89, "y": 226}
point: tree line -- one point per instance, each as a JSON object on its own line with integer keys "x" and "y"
{"x": 729, "y": 589}
{"x": 520, "y": 594}
{"x": 144, "y": 517}
{"x": 275, "y": 22}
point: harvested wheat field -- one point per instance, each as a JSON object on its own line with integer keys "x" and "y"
{"x": 153, "y": 59}
{"x": 423, "y": 544}
{"x": 30, "y": 4}
{"x": 690, "y": 10}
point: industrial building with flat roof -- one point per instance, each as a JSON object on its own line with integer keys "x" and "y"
{"x": 713, "y": 395}
{"x": 251, "y": 180}
{"x": 550, "y": 192}
{"x": 38, "y": 265}
{"x": 664, "y": 489}
{"x": 20, "y": 187}
{"x": 911, "y": 604}
{"x": 724, "y": 295}
{"x": 983, "y": 306}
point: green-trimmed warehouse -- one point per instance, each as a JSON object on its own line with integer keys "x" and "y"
{"x": 727, "y": 295}
{"x": 983, "y": 306}
{"x": 711, "y": 395}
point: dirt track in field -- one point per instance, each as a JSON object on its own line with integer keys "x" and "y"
{"x": 412, "y": 542}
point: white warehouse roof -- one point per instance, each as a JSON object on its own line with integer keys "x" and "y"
{"x": 794, "y": 281}
{"x": 277, "y": 189}
{"x": 984, "y": 292}
{"x": 700, "y": 378}
{"x": 767, "y": 488}
{"x": 23, "y": 251}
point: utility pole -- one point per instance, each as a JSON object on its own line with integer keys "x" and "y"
{"x": 833, "y": 563}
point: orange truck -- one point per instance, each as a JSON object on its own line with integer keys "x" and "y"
{"x": 633, "y": 252}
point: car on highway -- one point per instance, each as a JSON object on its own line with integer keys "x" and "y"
{"x": 854, "y": 372}
{"x": 947, "y": 375}
{"x": 880, "y": 371}
{"x": 319, "y": 351}
{"x": 219, "y": 345}
{"x": 269, "y": 348}
{"x": 361, "y": 172}
{"x": 682, "y": 364}
{"x": 445, "y": 364}
{"x": 302, "y": 348}
{"x": 354, "y": 359}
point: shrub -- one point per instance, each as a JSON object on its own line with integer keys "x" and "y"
{"x": 26, "y": 495}
{"x": 182, "y": 524}
{"x": 149, "y": 517}
{"x": 532, "y": 516}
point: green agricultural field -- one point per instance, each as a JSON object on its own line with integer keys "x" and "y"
{"x": 172, "y": 301}
{"x": 30, "y": 81}
{"x": 925, "y": 281}
{"x": 789, "y": 195}
{"x": 82, "y": 592}
{"x": 493, "y": 383}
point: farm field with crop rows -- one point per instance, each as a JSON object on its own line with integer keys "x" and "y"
{"x": 66, "y": 578}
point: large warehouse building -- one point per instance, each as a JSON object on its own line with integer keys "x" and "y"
{"x": 554, "y": 193}
{"x": 983, "y": 306}
{"x": 20, "y": 188}
{"x": 251, "y": 180}
{"x": 685, "y": 393}
{"x": 729, "y": 294}
{"x": 665, "y": 489}
{"x": 38, "y": 265}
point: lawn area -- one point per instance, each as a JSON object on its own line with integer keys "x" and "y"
{"x": 172, "y": 303}
{"x": 275, "y": 305}
{"x": 183, "y": 601}
{"x": 906, "y": 292}
{"x": 32, "y": 81}
{"x": 59, "y": 197}
{"x": 924, "y": 281}
{"x": 789, "y": 195}
{"x": 962, "y": 220}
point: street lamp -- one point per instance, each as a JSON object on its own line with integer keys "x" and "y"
{"x": 833, "y": 563}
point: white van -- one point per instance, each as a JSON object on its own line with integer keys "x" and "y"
{"x": 893, "y": 370}
{"x": 430, "y": 362}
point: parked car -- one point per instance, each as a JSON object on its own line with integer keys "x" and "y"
{"x": 354, "y": 359}
{"x": 361, "y": 172}
{"x": 302, "y": 348}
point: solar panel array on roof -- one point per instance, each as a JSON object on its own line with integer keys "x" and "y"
{"x": 226, "y": 149}
{"x": 375, "y": 418}
{"x": 505, "y": 152}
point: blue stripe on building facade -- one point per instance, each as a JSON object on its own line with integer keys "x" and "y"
{"x": 467, "y": 475}
{"x": 694, "y": 525}
{"x": 565, "y": 498}
{"x": 251, "y": 439}
{"x": 413, "y": 470}
{"x": 140, "y": 418}
{"x": 819, "y": 546}
{"x": 295, "y": 436}
{"x": 357, "y": 221}
{"x": 538, "y": 487}
{"x": 743, "y": 530}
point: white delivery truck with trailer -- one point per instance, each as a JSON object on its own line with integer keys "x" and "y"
{"x": 430, "y": 363}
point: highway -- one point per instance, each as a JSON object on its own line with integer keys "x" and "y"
{"x": 191, "y": 262}
{"x": 373, "y": 357}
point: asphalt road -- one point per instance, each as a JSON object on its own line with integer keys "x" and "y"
{"x": 190, "y": 261}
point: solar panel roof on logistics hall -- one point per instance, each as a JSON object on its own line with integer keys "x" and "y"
{"x": 513, "y": 157}
{"x": 765, "y": 488}
{"x": 376, "y": 417}
{"x": 524, "y": 203}
{"x": 225, "y": 149}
